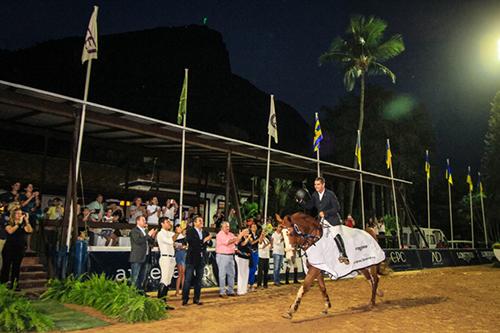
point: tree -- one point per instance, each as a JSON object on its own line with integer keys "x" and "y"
{"x": 491, "y": 169}
{"x": 362, "y": 52}
{"x": 388, "y": 114}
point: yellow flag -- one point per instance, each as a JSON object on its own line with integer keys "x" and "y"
{"x": 90, "y": 45}
{"x": 388, "y": 155}
{"x": 469, "y": 180}
{"x": 358, "y": 148}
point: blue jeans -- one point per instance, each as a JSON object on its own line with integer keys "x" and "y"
{"x": 137, "y": 274}
{"x": 225, "y": 263}
{"x": 253, "y": 268}
{"x": 277, "y": 260}
{"x": 193, "y": 275}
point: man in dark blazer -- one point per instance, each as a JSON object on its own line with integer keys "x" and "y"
{"x": 140, "y": 239}
{"x": 197, "y": 240}
{"x": 328, "y": 207}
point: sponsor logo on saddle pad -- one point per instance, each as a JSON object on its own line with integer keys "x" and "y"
{"x": 364, "y": 259}
{"x": 467, "y": 256}
{"x": 359, "y": 248}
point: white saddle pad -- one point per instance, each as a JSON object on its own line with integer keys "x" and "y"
{"x": 361, "y": 248}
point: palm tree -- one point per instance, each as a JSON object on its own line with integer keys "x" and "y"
{"x": 361, "y": 52}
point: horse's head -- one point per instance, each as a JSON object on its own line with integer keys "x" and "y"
{"x": 303, "y": 230}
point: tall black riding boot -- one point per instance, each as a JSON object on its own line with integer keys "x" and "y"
{"x": 340, "y": 244}
{"x": 162, "y": 294}
{"x": 287, "y": 272}
{"x": 295, "y": 275}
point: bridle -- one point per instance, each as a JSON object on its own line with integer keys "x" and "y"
{"x": 307, "y": 239}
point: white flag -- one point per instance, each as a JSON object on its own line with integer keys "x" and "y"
{"x": 272, "y": 128}
{"x": 90, "y": 46}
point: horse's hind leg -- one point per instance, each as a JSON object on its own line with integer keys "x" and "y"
{"x": 322, "y": 287}
{"x": 372, "y": 275}
{"x": 306, "y": 285}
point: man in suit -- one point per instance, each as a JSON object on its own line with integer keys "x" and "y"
{"x": 328, "y": 207}
{"x": 197, "y": 240}
{"x": 140, "y": 239}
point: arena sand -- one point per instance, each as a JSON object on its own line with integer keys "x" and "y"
{"x": 463, "y": 299}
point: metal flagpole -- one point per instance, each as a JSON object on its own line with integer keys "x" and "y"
{"x": 361, "y": 184}
{"x": 427, "y": 176}
{"x": 471, "y": 210}
{"x": 272, "y": 130}
{"x": 267, "y": 177}
{"x": 395, "y": 201}
{"x": 183, "y": 153}
{"x": 482, "y": 209}
{"x": 79, "y": 150}
{"x": 317, "y": 157}
{"x": 449, "y": 204}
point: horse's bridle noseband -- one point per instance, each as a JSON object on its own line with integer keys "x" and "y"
{"x": 308, "y": 239}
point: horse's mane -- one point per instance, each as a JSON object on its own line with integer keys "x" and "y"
{"x": 304, "y": 218}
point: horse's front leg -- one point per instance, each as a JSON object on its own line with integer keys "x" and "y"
{"x": 306, "y": 285}
{"x": 322, "y": 287}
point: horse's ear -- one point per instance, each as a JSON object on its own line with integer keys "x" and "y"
{"x": 278, "y": 218}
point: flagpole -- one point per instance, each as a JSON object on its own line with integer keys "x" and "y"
{"x": 395, "y": 201}
{"x": 183, "y": 153}
{"x": 428, "y": 196}
{"x": 267, "y": 176}
{"x": 79, "y": 149}
{"x": 361, "y": 184}
{"x": 471, "y": 210}
{"x": 317, "y": 157}
{"x": 449, "y": 204}
{"x": 471, "y": 218}
{"x": 482, "y": 210}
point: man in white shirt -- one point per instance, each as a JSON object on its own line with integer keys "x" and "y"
{"x": 153, "y": 211}
{"x": 166, "y": 239}
{"x": 291, "y": 260}
{"x": 278, "y": 247}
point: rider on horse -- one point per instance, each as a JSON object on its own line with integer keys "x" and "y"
{"x": 328, "y": 207}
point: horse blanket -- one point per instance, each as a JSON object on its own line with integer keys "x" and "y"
{"x": 361, "y": 248}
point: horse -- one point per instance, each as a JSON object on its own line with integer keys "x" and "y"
{"x": 303, "y": 232}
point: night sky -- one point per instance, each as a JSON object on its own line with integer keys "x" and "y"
{"x": 450, "y": 63}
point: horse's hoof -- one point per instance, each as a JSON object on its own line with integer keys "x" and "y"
{"x": 287, "y": 315}
{"x": 324, "y": 312}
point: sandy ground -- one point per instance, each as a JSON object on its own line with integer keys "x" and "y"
{"x": 465, "y": 299}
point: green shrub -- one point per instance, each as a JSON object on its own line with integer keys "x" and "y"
{"x": 18, "y": 314}
{"x": 114, "y": 299}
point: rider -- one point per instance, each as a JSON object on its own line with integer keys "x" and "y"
{"x": 328, "y": 207}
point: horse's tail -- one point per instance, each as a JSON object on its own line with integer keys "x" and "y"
{"x": 383, "y": 268}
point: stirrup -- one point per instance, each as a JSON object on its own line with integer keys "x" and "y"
{"x": 344, "y": 260}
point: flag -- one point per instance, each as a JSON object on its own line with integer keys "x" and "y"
{"x": 90, "y": 45}
{"x": 479, "y": 183}
{"x": 388, "y": 155}
{"x": 318, "y": 136}
{"x": 358, "y": 148}
{"x": 469, "y": 180}
{"x": 183, "y": 99}
{"x": 448, "y": 172}
{"x": 272, "y": 128}
{"x": 427, "y": 165}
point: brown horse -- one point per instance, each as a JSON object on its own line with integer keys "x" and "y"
{"x": 303, "y": 232}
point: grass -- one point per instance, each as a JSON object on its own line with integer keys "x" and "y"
{"x": 66, "y": 319}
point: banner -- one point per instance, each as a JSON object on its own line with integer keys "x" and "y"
{"x": 403, "y": 260}
{"x": 436, "y": 258}
{"x": 116, "y": 266}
